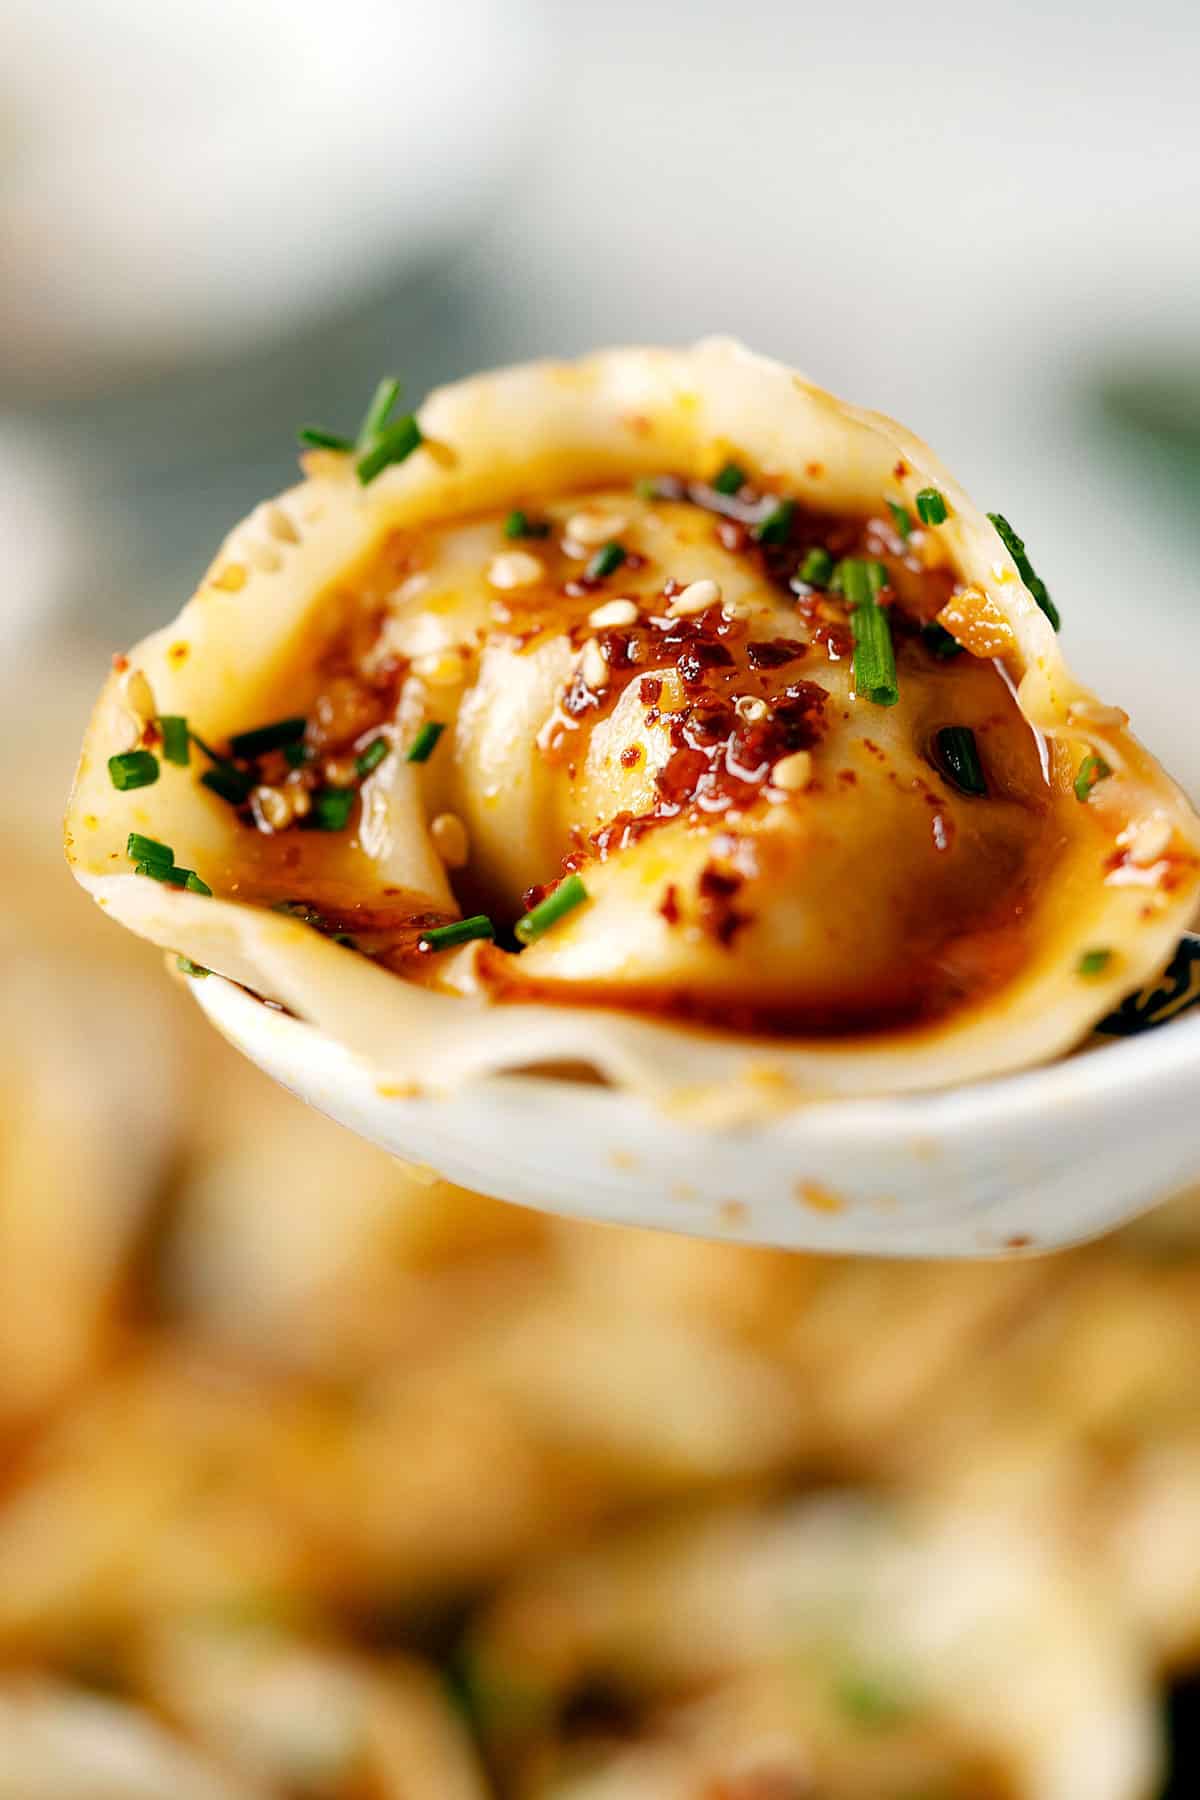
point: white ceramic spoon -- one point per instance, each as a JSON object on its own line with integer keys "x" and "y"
{"x": 1025, "y": 1164}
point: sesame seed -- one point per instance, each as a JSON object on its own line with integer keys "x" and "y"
{"x": 272, "y": 808}
{"x": 450, "y": 840}
{"x": 339, "y": 771}
{"x": 442, "y": 668}
{"x": 138, "y": 695}
{"x": 1148, "y": 841}
{"x": 613, "y": 612}
{"x": 592, "y": 665}
{"x": 591, "y": 529}
{"x": 793, "y": 773}
{"x": 696, "y": 597}
{"x": 750, "y": 708}
{"x": 515, "y": 569}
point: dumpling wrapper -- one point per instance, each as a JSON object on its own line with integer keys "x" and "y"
{"x": 1120, "y": 873}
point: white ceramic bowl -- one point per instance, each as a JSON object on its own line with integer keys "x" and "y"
{"x": 1021, "y": 1165}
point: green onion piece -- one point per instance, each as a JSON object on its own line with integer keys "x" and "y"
{"x": 931, "y": 507}
{"x": 874, "y": 656}
{"x": 372, "y": 756}
{"x": 1016, "y": 549}
{"x": 391, "y": 446}
{"x": 296, "y": 755}
{"x": 248, "y": 745}
{"x": 1091, "y": 770}
{"x": 566, "y": 897}
{"x": 379, "y": 411}
{"x": 176, "y": 744}
{"x": 444, "y": 937}
{"x": 607, "y": 560}
{"x": 958, "y": 755}
{"x": 1093, "y": 962}
{"x": 141, "y": 849}
{"x": 231, "y": 784}
{"x": 940, "y": 642}
{"x": 731, "y": 478}
{"x": 313, "y": 438}
{"x": 194, "y": 884}
{"x": 646, "y": 487}
{"x": 519, "y": 525}
{"x": 186, "y": 966}
{"x": 778, "y": 522}
{"x": 425, "y": 742}
{"x": 132, "y": 769}
{"x": 901, "y": 518}
{"x": 817, "y": 568}
{"x": 331, "y": 808}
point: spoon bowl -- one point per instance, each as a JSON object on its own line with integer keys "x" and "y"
{"x": 1026, "y": 1164}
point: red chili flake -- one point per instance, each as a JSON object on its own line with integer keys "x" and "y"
{"x": 900, "y": 470}
{"x": 669, "y": 905}
{"x": 774, "y": 652}
{"x": 120, "y": 662}
{"x": 534, "y": 896}
{"x": 699, "y": 656}
{"x": 650, "y": 690}
{"x": 621, "y": 649}
{"x": 837, "y": 639}
{"x": 623, "y": 829}
{"x": 631, "y": 756}
{"x": 708, "y": 721}
{"x": 718, "y": 915}
{"x": 678, "y": 779}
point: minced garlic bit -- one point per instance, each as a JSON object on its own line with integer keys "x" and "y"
{"x": 696, "y": 597}
{"x": 793, "y": 773}
{"x": 591, "y": 529}
{"x": 1147, "y": 841}
{"x": 612, "y": 613}
{"x": 750, "y": 708}
{"x": 442, "y": 668}
{"x": 592, "y": 665}
{"x": 515, "y": 569}
{"x": 450, "y": 840}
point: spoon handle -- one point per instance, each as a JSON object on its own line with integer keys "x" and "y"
{"x": 1175, "y": 991}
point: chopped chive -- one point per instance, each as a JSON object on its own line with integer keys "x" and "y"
{"x": 901, "y": 518}
{"x": 313, "y": 438}
{"x": 774, "y": 528}
{"x": 646, "y": 487}
{"x": 141, "y": 849}
{"x": 1016, "y": 549}
{"x": 462, "y": 931}
{"x": 730, "y": 479}
{"x": 372, "y": 756}
{"x": 231, "y": 784}
{"x": 391, "y": 446}
{"x": 566, "y": 897}
{"x": 172, "y": 875}
{"x": 379, "y": 411}
{"x": 425, "y": 742}
{"x": 607, "y": 560}
{"x": 874, "y": 655}
{"x": 331, "y": 808}
{"x": 519, "y": 525}
{"x": 1093, "y": 962}
{"x": 195, "y": 885}
{"x": 176, "y": 744}
{"x": 296, "y": 755}
{"x": 931, "y": 507}
{"x": 186, "y": 966}
{"x": 132, "y": 769}
{"x": 1091, "y": 770}
{"x": 940, "y": 642}
{"x": 958, "y": 758}
{"x": 248, "y": 745}
{"x": 817, "y": 567}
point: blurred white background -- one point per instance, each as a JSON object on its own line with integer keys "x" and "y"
{"x": 221, "y": 217}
